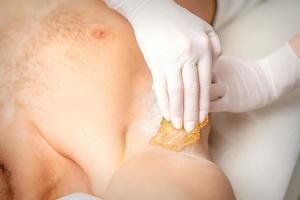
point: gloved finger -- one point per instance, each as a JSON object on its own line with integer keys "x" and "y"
{"x": 191, "y": 95}
{"x": 204, "y": 70}
{"x": 175, "y": 90}
{"x": 215, "y": 44}
{"x": 217, "y": 90}
{"x": 161, "y": 91}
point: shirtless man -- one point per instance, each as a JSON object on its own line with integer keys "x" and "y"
{"x": 77, "y": 113}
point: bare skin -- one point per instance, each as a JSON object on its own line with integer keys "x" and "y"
{"x": 71, "y": 95}
{"x": 69, "y": 103}
{"x": 295, "y": 44}
{"x": 206, "y": 9}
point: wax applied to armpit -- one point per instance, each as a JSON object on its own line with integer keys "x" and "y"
{"x": 174, "y": 139}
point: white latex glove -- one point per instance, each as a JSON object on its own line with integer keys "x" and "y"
{"x": 179, "y": 48}
{"x": 248, "y": 85}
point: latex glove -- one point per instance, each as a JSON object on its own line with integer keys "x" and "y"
{"x": 178, "y": 48}
{"x": 248, "y": 85}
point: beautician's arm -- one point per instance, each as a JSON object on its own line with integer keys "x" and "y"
{"x": 205, "y": 9}
{"x": 295, "y": 44}
{"x": 264, "y": 80}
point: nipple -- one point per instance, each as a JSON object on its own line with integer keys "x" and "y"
{"x": 174, "y": 139}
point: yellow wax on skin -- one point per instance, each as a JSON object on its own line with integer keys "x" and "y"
{"x": 174, "y": 139}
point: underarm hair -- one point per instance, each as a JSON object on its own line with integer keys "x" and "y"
{"x": 6, "y": 189}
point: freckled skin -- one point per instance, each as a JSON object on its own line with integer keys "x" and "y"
{"x": 76, "y": 80}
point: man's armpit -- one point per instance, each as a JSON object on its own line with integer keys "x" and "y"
{"x": 6, "y": 190}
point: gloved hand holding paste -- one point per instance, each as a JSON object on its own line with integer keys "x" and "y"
{"x": 179, "y": 49}
{"x": 248, "y": 85}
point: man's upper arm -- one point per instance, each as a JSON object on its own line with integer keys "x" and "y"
{"x": 157, "y": 174}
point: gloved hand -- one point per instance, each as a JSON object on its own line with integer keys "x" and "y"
{"x": 179, "y": 48}
{"x": 248, "y": 85}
